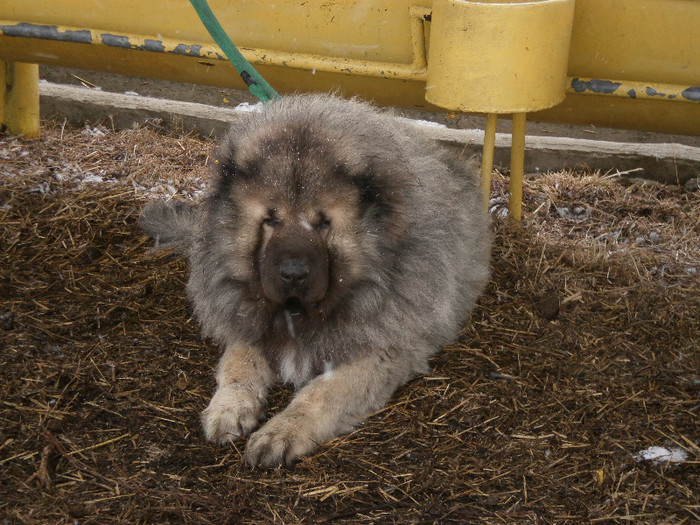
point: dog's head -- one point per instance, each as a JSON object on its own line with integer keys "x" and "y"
{"x": 295, "y": 255}
{"x": 304, "y": 209}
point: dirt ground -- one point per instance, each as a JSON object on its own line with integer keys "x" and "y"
{"x": 583, "y": 353}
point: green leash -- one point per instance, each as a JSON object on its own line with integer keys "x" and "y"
{"x": 255, "y": 82}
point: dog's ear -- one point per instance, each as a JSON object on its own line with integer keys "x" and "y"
{"x": 226, "y": 170}
{"x": 373, "y": 195}
{"x": 385, "y": 198}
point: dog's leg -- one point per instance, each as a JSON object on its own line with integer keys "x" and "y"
{"x": 242, "y": 378}
{"x": 331, "y": 404}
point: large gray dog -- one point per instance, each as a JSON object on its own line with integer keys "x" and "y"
{"x": 336, "y": 251}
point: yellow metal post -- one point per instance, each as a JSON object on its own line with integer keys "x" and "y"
{"x": 487, "y": 156}
{"x": 19, "y": 98}
{"x": 517, "y": 167}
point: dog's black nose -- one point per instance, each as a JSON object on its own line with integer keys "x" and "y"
{"x": 294, "y": 273}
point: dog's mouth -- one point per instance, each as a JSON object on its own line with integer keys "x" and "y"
{"x": 296, "y": 314}
{"x": 293, "y": 306}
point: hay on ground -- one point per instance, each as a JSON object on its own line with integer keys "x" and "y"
{"x": 583, "y": 352}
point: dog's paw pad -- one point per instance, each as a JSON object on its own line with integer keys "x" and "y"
{"x": 232, "y": 413}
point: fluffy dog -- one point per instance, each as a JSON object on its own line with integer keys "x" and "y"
{"x": 337, "y": 251}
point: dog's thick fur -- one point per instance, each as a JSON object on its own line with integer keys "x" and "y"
{"x": 336, "y": 251}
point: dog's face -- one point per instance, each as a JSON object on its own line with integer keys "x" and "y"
{"x": 291, "y": 222}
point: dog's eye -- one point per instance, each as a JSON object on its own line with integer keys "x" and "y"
{"x": 271, "y": 222}
{"x": 323, "y": 223}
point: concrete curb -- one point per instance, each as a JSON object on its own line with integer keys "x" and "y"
{"x": 665, "y": 162}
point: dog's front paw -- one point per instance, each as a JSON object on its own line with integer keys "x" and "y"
{"x": 281, "y": 441}
{"x": 233, "y": 412}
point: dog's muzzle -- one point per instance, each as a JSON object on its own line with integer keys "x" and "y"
{"x": 294, "y": 265}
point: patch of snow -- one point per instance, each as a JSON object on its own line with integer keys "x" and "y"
{"x": 430, "y": 124}
{"x": 659, "y": 455}
{"x": 245, "y": 106}
{"x": 93, "y": 131}
{"x": 168, "y": 190}
{"x": 91, "y": 177}
{"x": 576, "y": 213}
{"x": 498, "y": 206}
{"x": 43, "y": 188}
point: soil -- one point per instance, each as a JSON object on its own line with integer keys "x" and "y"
{"x": 582, "y": 354}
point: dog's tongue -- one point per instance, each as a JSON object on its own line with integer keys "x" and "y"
{"x": 292, "y": 315}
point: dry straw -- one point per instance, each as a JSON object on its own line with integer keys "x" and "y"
{"x": 583, "y": 352}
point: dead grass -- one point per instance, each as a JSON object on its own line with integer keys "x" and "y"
{"x": 583, "y": 351}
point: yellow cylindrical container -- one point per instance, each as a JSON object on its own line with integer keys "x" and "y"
{"x": 496, "y": 56}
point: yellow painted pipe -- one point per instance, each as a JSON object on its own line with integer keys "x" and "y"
{"x": 206, "y": 52}
{"x": 487, "y": 156}
{"x": 419, "y": 15}
{"x": 19, "y": 98}
{"x": 517, "y": 167}
{"x": 634, "y": 90}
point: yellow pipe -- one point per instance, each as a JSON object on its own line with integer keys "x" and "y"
{"x": 419, "y": 15}
{"x": 345, "y": 66}
{"x": 487, "y": 157}
{"x": 517, "y": 167}
{"x": 633, "y": 90}
{"x": 19, "y": 98}
{"x": 416, "y": 70}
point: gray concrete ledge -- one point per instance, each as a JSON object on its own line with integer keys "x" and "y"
{"x": 665, "y": 162}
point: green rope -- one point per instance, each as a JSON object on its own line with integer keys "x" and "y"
{"x": 255, "y": 82}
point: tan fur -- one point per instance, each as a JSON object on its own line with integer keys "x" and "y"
{"x": 242, "y": 378}
{"x": 331, "y": 404}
